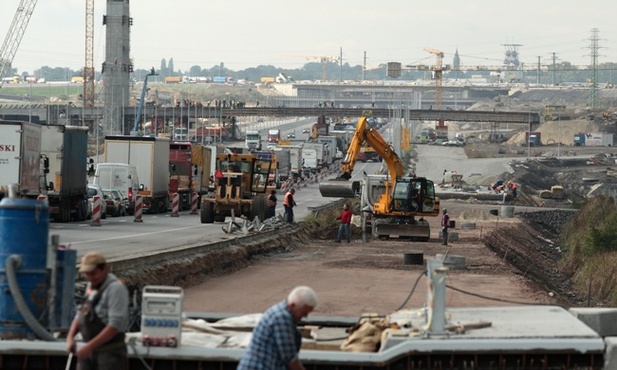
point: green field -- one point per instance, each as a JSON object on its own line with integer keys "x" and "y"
{"x": 194, "y": 92}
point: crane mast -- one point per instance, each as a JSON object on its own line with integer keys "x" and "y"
{"x": 88, "y": 94}
{"x": 15, "y": 34}
{"x": 437, "y": 69}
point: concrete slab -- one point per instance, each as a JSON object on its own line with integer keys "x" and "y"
{"x": 515, "y": 328}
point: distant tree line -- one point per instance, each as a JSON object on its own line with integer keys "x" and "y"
{"x": 562, "y": 72}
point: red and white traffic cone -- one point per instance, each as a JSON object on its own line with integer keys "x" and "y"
{"x": 194, "y": 200}
{"x": 96, "y": 211}
{"x": 175, "y": 205}
{"x": 138, "y": 209}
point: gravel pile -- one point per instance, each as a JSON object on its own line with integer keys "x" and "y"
{"x": 553, "y": 221}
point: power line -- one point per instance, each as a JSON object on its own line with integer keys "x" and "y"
{"x": 594, "y": 48}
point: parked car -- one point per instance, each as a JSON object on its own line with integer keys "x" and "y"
{"x": 120, "y": 205}
{"x": 92, "y": 191}
{"x": 114, "y": 205}
{"x": 452, "y": 143}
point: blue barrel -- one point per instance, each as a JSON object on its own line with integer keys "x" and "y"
{"x": 24, "y": 230}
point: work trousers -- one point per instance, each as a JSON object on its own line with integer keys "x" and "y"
{"x": 344, "y": 229}
{"x": 444, "y": 234}
{"x": 289, "y": 214}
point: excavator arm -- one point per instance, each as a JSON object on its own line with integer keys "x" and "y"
{"x": 363, "y": 136}
{"x": 369, "y": 136}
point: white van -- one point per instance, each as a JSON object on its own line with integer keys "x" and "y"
{"x": 181, "y": 134}
{"x": 119, "y": 176}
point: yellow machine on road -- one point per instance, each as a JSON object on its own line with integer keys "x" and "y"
{"x": 403, "y": 198}
{"x": 240, "y": 188}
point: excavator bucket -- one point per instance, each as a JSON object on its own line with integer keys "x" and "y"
{"x": 339, "y": 189}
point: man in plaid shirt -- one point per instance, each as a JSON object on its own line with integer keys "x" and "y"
{"x": 276, "y": 341}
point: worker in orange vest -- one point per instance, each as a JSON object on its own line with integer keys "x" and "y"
{"x": 289, "y": 203}
{"x": 513, "y": 188}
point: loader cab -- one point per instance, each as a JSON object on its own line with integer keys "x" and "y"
{"x": 261, "y": 175}
{"x": 247, "y": 171}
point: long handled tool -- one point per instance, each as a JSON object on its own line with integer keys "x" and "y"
{"x": 69, "y": 361}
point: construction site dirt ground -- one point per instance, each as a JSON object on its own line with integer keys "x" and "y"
{"x": 507, "y": 259}
{"x": 356, "y": 278}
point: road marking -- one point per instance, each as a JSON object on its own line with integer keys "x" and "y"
{"x": 135, "y": 235}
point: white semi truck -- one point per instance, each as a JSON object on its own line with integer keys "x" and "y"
{"x": 253, "y": 140}
{"x": 150, "y": 155}
{"x": 20, "y": 158}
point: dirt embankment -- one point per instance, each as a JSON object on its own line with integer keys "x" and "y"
{"x": 532, "y": 248}
{"x": 507, "y": 261}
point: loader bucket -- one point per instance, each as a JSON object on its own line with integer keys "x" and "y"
{"x": 339, "y": 189}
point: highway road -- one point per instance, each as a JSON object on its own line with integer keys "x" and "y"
{"x": 121, "y": 237}
{"x": 434, "y": 159}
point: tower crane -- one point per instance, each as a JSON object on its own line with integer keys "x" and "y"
{"x": 15, "y": 34}
{"x": 437, "y": 69}
{"x": 88, "y": 94}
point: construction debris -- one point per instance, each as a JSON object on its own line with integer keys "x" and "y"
{"x": 243, "y": 225}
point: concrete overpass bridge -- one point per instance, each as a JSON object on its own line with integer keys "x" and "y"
{"x": 62, "y": 114}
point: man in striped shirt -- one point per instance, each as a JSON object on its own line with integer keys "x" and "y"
{"x": 276, "y": 341}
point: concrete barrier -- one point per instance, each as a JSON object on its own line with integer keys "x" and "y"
{"x": 138, "y": 209}
{"x": 194, "y": 201}
{"x": 96, "y": 211}
{"x": 175, "y": 205}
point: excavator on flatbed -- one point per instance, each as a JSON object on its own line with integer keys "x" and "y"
{"x": 401, "y": 199}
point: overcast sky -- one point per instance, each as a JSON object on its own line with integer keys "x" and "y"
{"x": 290, "y": 33}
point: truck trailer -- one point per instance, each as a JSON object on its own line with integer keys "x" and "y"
{"x": 283, "y": 165}
{"x": 315, "y": 155}
{"x": 20, "y": 152}
{"x": 189, "y": 171}
{"x": 66, "y": 149}
{"x": 295, "y": 159}
{"x": 150, "y": 155}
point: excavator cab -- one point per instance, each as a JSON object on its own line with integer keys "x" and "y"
{"x": 261, "y": 173}
{"x": 413, "y": 195}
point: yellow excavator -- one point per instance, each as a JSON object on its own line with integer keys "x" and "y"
{"x": 404, "y": 198}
